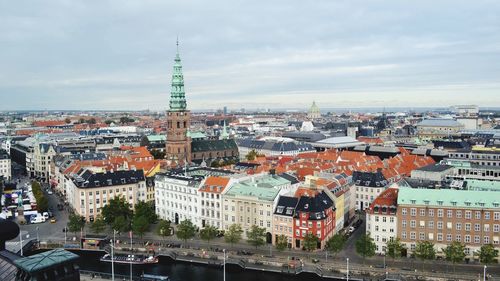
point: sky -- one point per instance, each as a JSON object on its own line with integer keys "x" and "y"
{"x": 118, "y": 55}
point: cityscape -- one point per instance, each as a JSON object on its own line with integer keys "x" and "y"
{"x": 159, "y": 174}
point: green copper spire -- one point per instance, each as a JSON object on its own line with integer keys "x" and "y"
{"x": 177, "y": 95}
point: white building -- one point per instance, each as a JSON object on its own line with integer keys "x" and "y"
{"x": 178, "y": 197}
{"x": 381, "y": 219}
{"x": 5, "y": 165}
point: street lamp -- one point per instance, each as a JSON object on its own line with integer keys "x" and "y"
{"x": 224, "y": 264}
{"x": 484, "y": 273}
{"x": 21, "y": 241}
{"x": 37, "y": 237}
{"x": 347, "y": 275}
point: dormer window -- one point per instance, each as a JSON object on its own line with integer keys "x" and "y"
{"x": 413, "y": 201}
{"x": 123, "y": 181}
{"x": 97, "y": 183}
{"x": 440, "y": 202}
{"x": 110, "y": 182}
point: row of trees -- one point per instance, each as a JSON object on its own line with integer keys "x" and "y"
{"x": 42, "y": 202}
{"x": 119, "y": 215}
{"x": 425, "y": 250}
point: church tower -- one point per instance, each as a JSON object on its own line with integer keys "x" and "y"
{"x": 178, "y": 145}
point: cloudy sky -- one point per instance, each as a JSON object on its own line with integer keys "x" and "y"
{"x": 98, "y": 54}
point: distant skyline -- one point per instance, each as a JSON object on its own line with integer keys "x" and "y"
{"x": 118, "y": 55}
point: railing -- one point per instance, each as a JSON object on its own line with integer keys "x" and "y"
{"x": 104, "y": 275}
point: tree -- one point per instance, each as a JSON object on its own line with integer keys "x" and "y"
{"x": 455, "y": 252}
{"x": 208, "y": 233}
{"x": 336, "y": 243}
{"x": 121, "y": 224}
{"x": 487, "y": 254}
{"x": 116, "y": 207}
{"x": 251, "y": 155}
{"x": 140, "y": 225}
{"x": 81, "y": 120}
{"x": 256, "y": 236}
{"x": 146, "y": 210}
{"x": 424, "y": 250}
{"x": 91, "y": 121}
{"x": 42, "y": 204}
{"x": 281, "y": 242}
{"x": 157, "y": 154}
{"x": 163, "y": 228}
{"x": 126, "y": 120}
{"x": 310, "y": 242}
{"x": 394, "y": 248}
{"x": 145, "y": 141}
{"x": 186, "y": 230}
{"x": 98, "y": 225}
{"x": 108, "y": 122}
{"x": 67, "y": 120}
{"x": 75, "y": 223}
{"x": 365, "y": 246}
{"x": 233, "y": 234}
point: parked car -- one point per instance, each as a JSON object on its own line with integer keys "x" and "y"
{"x": 45, "y": 215}
{"x": 53, "y": 220}
{"x": 37, "y": 219}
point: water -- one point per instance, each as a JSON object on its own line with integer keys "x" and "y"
{"x": 180, "y": 271}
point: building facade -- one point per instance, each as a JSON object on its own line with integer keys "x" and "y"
{"x": 5, "y": 165}
{"x": 382, "y": 220}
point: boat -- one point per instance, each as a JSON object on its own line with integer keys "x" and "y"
{"x": 152, "y": 277}
{"x": 130, "y": 259}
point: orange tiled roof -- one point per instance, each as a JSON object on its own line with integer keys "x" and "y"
{"x": 214, "y": 181}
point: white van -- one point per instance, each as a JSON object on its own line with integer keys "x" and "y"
{"x": 37, "y": 219}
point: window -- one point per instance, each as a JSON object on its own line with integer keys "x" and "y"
{"x": 467, "y": 238}
{"x": 458, "y": 214}
{"x": 413, "y": 212}
{"x": 496, "y": 228}
{"x": 477, "y": 227}
{"x": 486, "y": 215}
{"x": 458, "y": 226}
{"x": 440, "y": 213}
{"x": 421, "y": 235}
{"x": 439, "y": 225}
{"x": 403, "y": 223}
{"x": 449, "y": 213}
{"x": 430, "y": 224}
{"x": 467, "y": 227}
{"x": 468, "y": 215}
{"x": 431, "y": 213}
{"x": 403, "y": 211}
{"x": 486, "y": 228}
{"x": 458, "y": 238}
{"x": 403, "y": 234}
{"x": 413, "y": 223}
{"x": 477, "y": 240}
{"x": 496, "y": 216}
{"x": 478, "y": 215}
{"x": 384, "y": 219}
{"x": 486, "y": 240}
{"x": 413, "y": 235}
{"x": 440, "y": 237}
{"x": 422, "y": 212}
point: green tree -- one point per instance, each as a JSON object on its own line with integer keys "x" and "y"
{"x": 146, "y": 210}
{"x": 42, "y": 204}
{"x": 208, "y": 233}
{"x": 365, "y": 246}
{"x": 251, "y": 155}
{"x": 487, "y": 254}
{"x": 81, "y": 120}
{"x": 233, "y": 234}
{"x": 91, "y": 121}
{"x": 256, "y": 236}
{"x": 98, "y": 225}
{"x": 121, "y": 224}
{"x": 140, "y": 225}
{"x": 145, "y": 141}
{"x": 394, "y": 248}
{"x": 424, "y": 250}
{"x": 281, "y": 242}
{"x": 67, "y": 120}
{"x": 455, "y": 252}
{"x": 75, "y": 223}
{"x": 310, "y": 242}
{"x": 163, "y": 228}
{"x": 157, "y": 154}
{"x": 186, "y": 230}
{"x": 108, "y": 122}
{"x": 116, "y": 207}
{"x": 336, "y": 243}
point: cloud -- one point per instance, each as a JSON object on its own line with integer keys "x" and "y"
{"x": 119, "y": 54}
